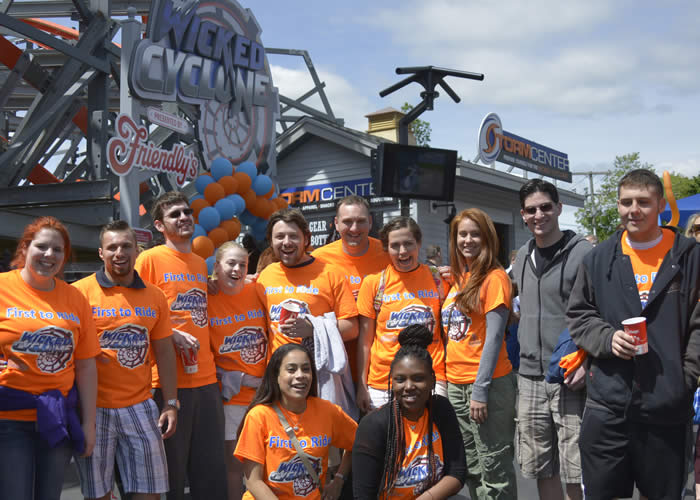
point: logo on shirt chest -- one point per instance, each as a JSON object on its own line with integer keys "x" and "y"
{"x": 457, "y": 323}
{"x": 249, "y": 341}
{"x": 53, "y": 347}
{"x": 194, "y": 301}
{"x": 130, "y": 342}
{"x": 294, "y": 472}
{"x": 411, "y": 315}
{"x": 416, "y": 474}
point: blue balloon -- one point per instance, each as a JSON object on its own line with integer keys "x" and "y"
{"x": 238, "y": 201}
{"x": 259, "y": 226}
{"x": 209, "y": 218}
{"x": 262, "y": 185}
{"x": 198, "y": 231}
{"x": 202, "y": 182}
{"x": 226, "y": 208}
{"x": 197, "y": 197}
{"x": 248, "y": 167}
{"x": 259, "y": 235}
{"x": 221, "y": 167}
{"x": 210, "y": 264}
{"x": 247, "y": 218}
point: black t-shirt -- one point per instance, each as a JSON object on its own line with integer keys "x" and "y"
{"x": 545, "y": 255}
{"x": 369, "y": 450}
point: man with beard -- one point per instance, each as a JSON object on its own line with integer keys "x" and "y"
{"x": 131, "y": 318}
{"x": 196, "y": 451}
{"x": 302, "y": 282}
{"x": 355, "y": 255}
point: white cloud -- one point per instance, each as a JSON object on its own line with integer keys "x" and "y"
{"x": 689, "y": 167}
{"x": 571, "y": 58}
{"x": 347, "y": 102}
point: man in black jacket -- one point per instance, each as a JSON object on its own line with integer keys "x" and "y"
{"x": 639, "y": 404}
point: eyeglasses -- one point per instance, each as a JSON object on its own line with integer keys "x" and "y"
{"x": 176, "y": 213}
{"x": 695, "y": 229}
{"x": 544, "y": 208}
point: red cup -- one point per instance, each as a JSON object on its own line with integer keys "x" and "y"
{"x": 637, "y": 327}
{"x": 289, "y": 310}
{"x": 189, "y": 359}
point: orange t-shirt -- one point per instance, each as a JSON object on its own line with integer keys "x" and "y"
{"x": 264, "y": 441}
{"x": 43, "y": 333}
{"x": 646, "y": 262}
{"x": 314, "y": 286}
{"x": 355, "y": 269}
{"x": 467, "y": 334}
{"x": 182, "y": 277}
{"x": 127, "y": 319}
{"x": 411, "y": 479}
{"x": 408, "y": 298}
{"x": 238, "y": 329}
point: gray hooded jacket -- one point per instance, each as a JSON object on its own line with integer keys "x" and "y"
{"x": 544, "y": 299}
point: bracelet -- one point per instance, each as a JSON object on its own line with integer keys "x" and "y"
{"x": 338, "y": 474}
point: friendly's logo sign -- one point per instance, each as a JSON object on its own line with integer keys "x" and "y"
{"x": 496, "y": 144}
{"x": 209, "y": 54}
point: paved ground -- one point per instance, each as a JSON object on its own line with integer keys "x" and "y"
{"x": 527, "y": 490}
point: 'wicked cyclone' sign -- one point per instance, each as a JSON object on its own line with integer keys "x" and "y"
{"x": 209, "y": 54}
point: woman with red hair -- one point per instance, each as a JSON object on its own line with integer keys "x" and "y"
{"x": 481, "y": 386}
{"x": 48, "y": 343}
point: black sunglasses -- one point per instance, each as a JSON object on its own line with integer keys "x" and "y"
{"x": 176, "y": 213}
{"x": 696, "y": 228}
{"x": 544, "y": 208}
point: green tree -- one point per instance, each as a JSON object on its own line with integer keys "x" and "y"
{"x": 420, "y": 128}
{"x": 684, "y": 186}
{"x": 601, "y": 213}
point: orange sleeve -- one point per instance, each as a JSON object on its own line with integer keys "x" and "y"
{"x": 251, "y": 442}
{"x": 89, "y": 345}
{"x": 495, "y": 291}
{"x": 163, "y": 328}
{"x": 344, "y": 429}
{"x": 344, "y": 306}
{"x": 365, "y": 299}
{"x": 144, "y": 268}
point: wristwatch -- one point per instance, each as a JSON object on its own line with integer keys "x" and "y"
{"x": 173, "y": 403}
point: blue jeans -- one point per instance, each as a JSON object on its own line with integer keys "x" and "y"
{"x": 29, "y": 468}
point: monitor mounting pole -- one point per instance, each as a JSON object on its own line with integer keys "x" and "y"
{"x": 428, "y": 77}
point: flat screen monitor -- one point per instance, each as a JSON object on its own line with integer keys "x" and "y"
{"x": 415, "y": 172}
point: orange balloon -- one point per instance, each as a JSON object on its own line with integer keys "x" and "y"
{"x": 281, "y": 203}
{"x": 232, "y": 227}
{"x": 258, "y": 208}
{"x": 269, "y": 193}
{"x": 197, "y": 206}
{"x": 214, "y": 192}
{"x": 203, "y": 246}
{"x": 244, "y": 182}
{"x": 250, "y": 198}
{"x": 268, "y": 208}
{"x": 229, "y": 184}
{"x": 218, "y": 236}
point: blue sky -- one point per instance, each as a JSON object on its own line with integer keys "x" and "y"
{"x": 593, "y": 79}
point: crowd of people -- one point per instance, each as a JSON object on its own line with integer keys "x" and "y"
{"x": 354, "y": 370}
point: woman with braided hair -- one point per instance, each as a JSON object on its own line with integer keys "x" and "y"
{"x": 411, "y": 447}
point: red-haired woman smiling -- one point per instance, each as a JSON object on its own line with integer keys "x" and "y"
{"x": 481, "y": 386}
{"x": 48, "y": 339}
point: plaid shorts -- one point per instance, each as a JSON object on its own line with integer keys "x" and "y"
{"x": 131, "y": 435}
{"x": 549, "y": 423}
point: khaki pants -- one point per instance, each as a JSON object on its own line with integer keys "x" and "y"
{"x": 489, "y": 447}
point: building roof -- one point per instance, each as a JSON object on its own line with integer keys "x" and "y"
{"x": 384, "y": 111}
{"x": 363, "y": 143}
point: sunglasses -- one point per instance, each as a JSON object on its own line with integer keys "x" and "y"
{"x": 696, "y": 229}
{"x": 176, "y": 213}
{"x": 544, "y": 208}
